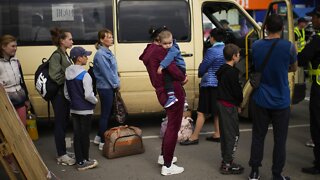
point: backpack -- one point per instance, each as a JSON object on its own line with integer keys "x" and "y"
{"x": 45, "y": 86}
{"x": 93, "y": 77}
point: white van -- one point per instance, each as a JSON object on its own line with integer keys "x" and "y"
{"x": 130, "y": 21}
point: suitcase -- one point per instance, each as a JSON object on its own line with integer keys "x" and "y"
{"x": 122, "y": 141}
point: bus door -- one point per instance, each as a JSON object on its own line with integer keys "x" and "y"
{"x": 133, "y": 20}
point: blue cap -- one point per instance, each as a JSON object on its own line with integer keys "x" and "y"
{"x": 79, "y": 51}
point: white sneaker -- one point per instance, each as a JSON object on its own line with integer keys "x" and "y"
{"x": 66, "y": 160}
{"x": 173, "y": 169}
{"x": 97, "y": 140}
{"x": 161, "y": 160}
{"x": 101, "y": 146}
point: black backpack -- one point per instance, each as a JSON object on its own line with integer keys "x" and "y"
{"x": 93, "y": 77}
{"x": 45, "y": 86}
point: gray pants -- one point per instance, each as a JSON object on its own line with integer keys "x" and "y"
{"x": 229, "y": 131}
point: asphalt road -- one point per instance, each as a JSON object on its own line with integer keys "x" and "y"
{"x": 201, "y": 162}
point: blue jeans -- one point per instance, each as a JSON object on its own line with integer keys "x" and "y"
{"x": 106, "y": 100}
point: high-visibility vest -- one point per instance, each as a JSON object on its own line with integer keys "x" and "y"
{"x": 315, "y": 72}
{"x": 301, "y": 38}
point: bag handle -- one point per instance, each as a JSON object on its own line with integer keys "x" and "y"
{"x": 266, "y": 59}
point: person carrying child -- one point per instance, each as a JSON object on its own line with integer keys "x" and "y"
{"x": 229, "y": 98}
{"x": 78, "y": 90}
{"x": 174, "y": 54}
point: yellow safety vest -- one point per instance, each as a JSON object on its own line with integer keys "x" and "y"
{"x": 301, "y": 38}
{"x": 315, "y": 72}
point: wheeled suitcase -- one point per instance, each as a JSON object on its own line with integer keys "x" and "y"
{"x": 122, "y": 141}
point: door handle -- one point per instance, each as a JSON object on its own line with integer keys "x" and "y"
{"x": 186, "y": 54}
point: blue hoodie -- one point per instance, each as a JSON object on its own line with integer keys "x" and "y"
{"x": 105, "y": 69}
{"x": 173, "y": 54}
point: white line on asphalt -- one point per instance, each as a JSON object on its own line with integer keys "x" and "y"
{"x": 241, "y": 130}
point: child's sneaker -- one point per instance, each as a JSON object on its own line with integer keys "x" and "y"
{"x": 173, "y": 169}
{"x": 171, "y": 100}
{"x": 231, "y": 168}
{"x": 161, "y": 160}
{"x": 87, "y": 165}
{"x": 66, "y": 160}
{"x": 97, "y": 140}
{"x": 101, "y": 146}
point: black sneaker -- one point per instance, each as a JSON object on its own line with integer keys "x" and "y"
{"x": 254, "y": 175}
{"x": 311, "y": 170}
{"x": 231, "y": 168}
{"x": 281, "y": 178}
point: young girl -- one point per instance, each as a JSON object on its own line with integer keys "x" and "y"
{"x": 58, "y": 63}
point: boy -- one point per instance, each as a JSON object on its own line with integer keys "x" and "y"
{"x": 229, "y": 98}
{"x": 174, "y": 54}
{"x": 78, "y": 90}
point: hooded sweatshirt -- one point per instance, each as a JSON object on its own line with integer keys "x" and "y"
{"x": 78, "y": 90}
{"x": 229, "y": 88}
{"x": 151, "y": 57}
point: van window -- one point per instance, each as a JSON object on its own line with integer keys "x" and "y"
{"x": 135, "y": 18}
{"x": 31, "y": 21}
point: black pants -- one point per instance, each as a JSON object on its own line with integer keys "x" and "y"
{"x": 280, "y": 121}
{"x": 81, "y": 139}
{"x": 61, "y": 118}
{"x": 229, "y": 131}
{"x": 314, "y": 108}
{"x": 168, "y": 81}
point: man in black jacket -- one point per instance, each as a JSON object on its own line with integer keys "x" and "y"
{"x": 311, "y": 54}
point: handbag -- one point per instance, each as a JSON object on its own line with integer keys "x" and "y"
{"x": 120, "y": 112}
{"x": 17, "y": 97}
{"x": 255, "y": 77}
{"x": 185, "y": 131}
{"x": 122, "y": 141}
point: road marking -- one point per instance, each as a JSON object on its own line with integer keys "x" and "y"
{"x": 241, "y": 130}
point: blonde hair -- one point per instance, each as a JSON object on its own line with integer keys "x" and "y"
{"x": 164, "y": 34}
{"x": 101, "y": 35}
{"x": 5, "y": 40}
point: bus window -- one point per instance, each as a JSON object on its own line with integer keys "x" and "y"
{"x": 31, "y": 21}
{"x": 136, "y": 18}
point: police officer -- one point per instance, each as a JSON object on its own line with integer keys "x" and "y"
{"x": 300, "y": 34}
{"x": 311, "y": 54}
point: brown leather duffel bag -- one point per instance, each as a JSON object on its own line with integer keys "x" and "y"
{"x": 122, "y": 141}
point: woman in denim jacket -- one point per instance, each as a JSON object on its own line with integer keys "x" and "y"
{"x": 107, "y": 80}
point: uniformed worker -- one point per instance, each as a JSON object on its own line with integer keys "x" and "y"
{"x": 300, "y": 34}
{"x": 311, "y": 54}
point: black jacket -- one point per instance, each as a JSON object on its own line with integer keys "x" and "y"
{"x": 311, "y": 53}
{"x": 229, "y": 88}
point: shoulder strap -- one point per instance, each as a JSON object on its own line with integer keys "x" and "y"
{"x": 266, "y": 59}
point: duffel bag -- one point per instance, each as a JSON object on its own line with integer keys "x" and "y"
{"x": 122, "y": 141}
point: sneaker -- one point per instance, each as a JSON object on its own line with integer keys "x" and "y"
{"x": 231, "y": 168}
{"x": 310, "y": 143}
{"x": 173, "y": 169}
{"x": 311, "y": 170}
{"x": 66, "y": 160}
{"x": 171, "y": 100}
{"x": 161, "y": 160}
{"x": 101, "y": 146}
{"x": 97, "y": 140}
{"x": 87, "y": 165}
{"x": 281, "y": 178}
{"x": 254, "y": 176}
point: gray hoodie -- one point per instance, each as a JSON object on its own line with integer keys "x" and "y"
{"x": 80, "y": 98}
